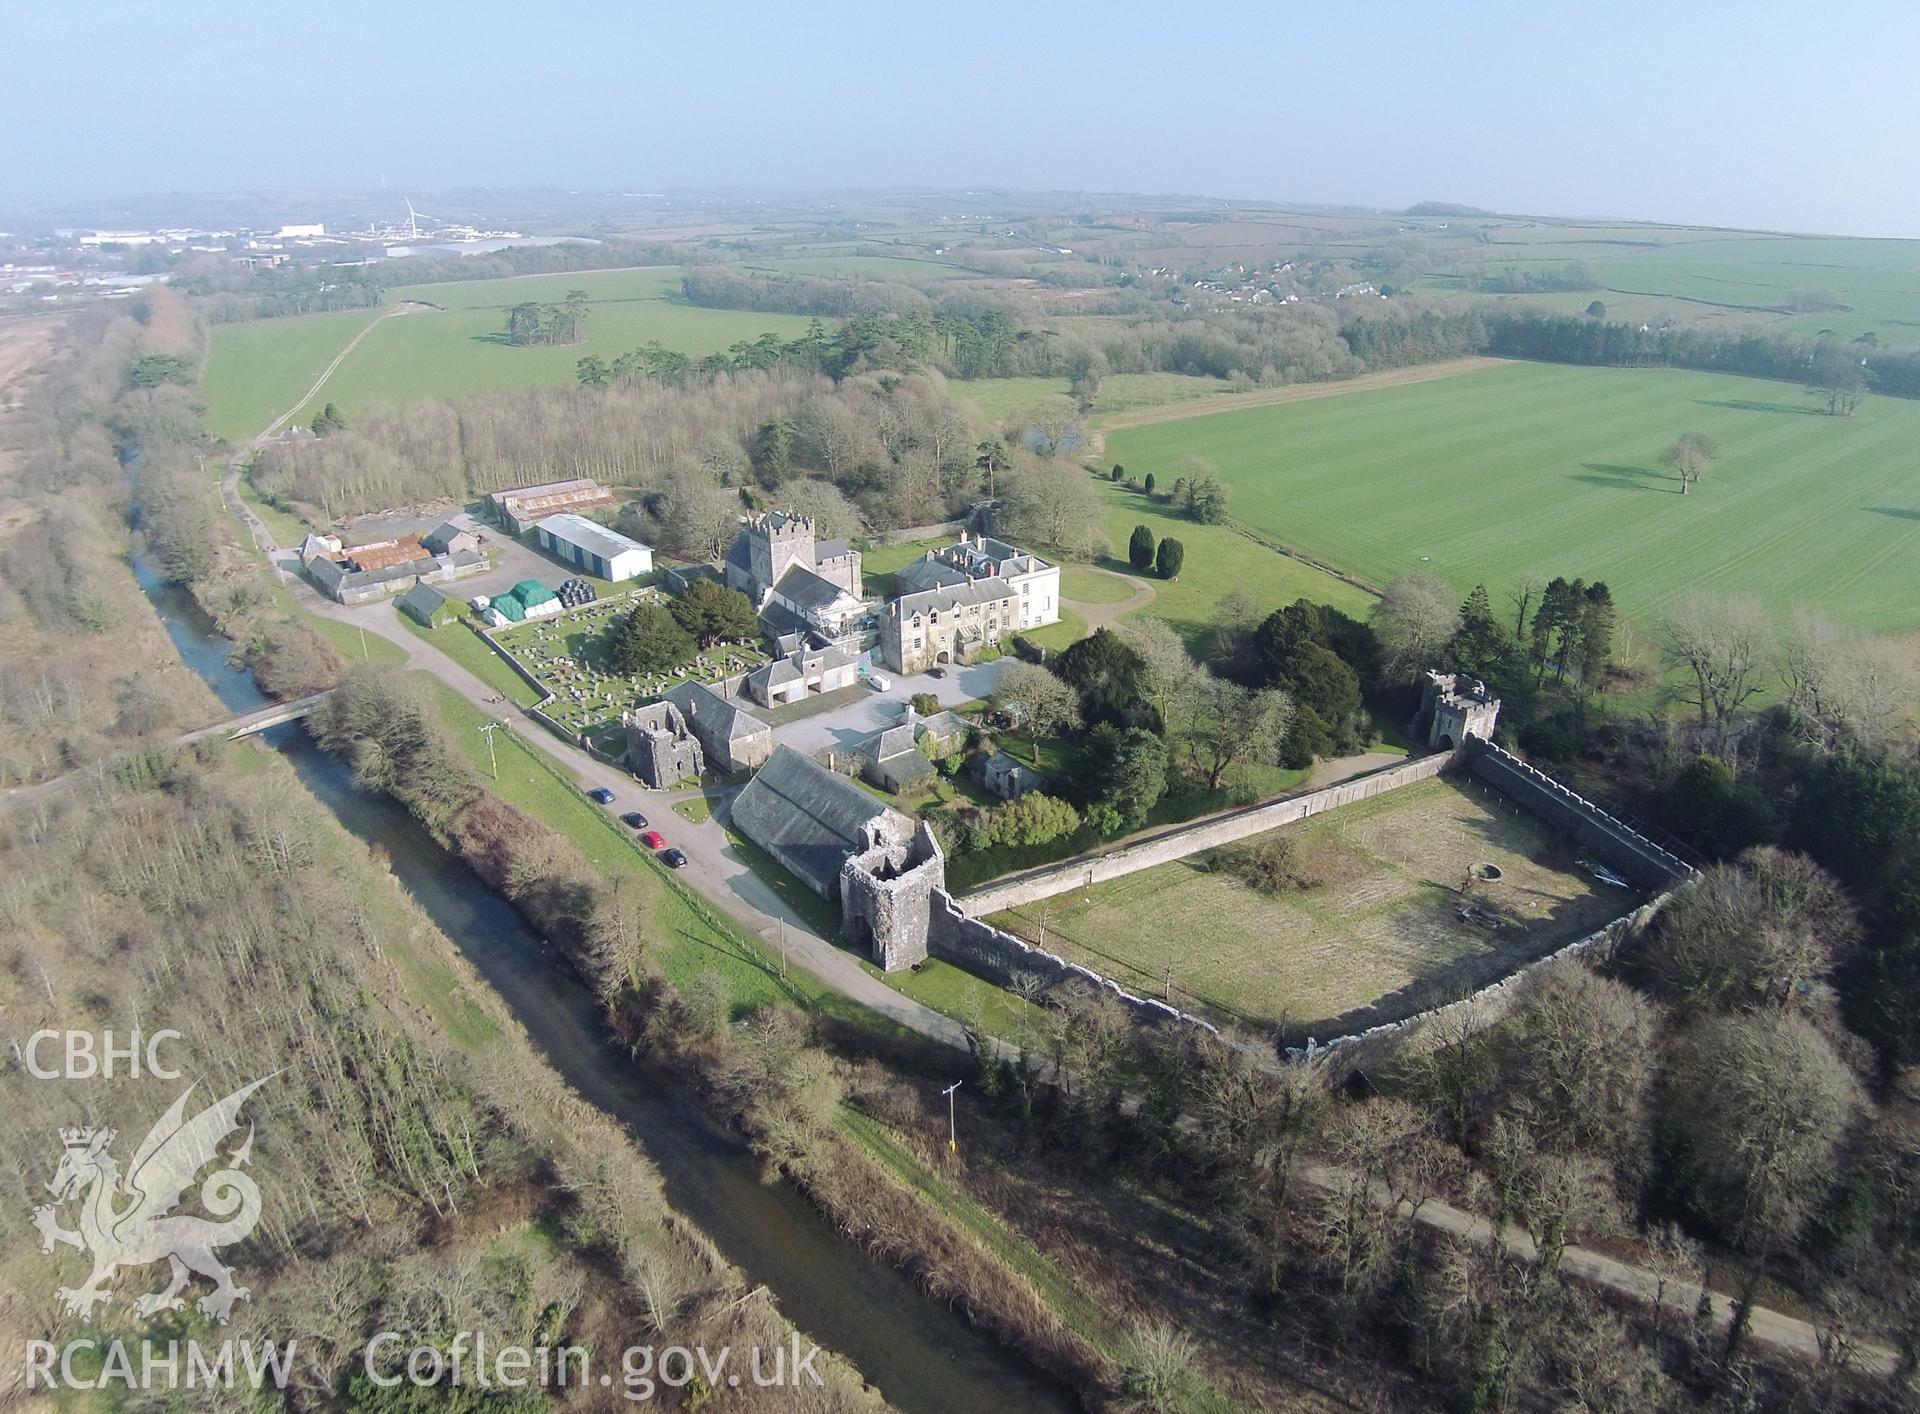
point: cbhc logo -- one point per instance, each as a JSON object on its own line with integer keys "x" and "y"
{"x": 82, "y": 1056}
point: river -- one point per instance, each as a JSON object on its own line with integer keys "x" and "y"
{"x": 921, "y": 1354}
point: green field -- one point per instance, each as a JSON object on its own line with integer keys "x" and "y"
{"x": 1555, "y": 470}
{"x": 258, "y": 370}
{"x": 1219, "y": 559}
{"x": 994, "y": 400}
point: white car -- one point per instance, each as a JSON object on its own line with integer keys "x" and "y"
{"x": 880, "y": 682}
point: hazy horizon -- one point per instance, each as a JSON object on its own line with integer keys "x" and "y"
{"x": 1756, "y": 116}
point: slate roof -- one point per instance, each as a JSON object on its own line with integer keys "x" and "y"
{"x": 800, "y": 663}
{"x": 443, "y": 535}
{"x": 740, "y": 553}
{"x": 927, "y": 573}
{"x": 980, "y": 591}
{"x": 423, "y": 601}
{"x": 713, "y": 714}
{"x": 806, "y": 816}
{"x": 803, "y": 588}
{"x": 831, "y": 549}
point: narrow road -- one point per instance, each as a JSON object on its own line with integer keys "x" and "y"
{"x": 1106, "y": 615}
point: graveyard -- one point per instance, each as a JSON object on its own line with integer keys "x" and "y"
{"x": 567, "y": 655}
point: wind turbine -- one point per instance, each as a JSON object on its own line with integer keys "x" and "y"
{"x": 413, "y": 222}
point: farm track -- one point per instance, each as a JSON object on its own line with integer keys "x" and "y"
{"x": 1296, "y": 393}
{"x": 273, "y": 427}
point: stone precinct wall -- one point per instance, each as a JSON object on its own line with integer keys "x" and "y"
{"x": 1367, "y": 1049}
{"x": 986, "y": 951}
{"x": 1621, "y": 848}
{"x": 1192, "y": 839}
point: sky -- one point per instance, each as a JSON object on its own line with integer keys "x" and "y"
{"x": 1763, "y": 114}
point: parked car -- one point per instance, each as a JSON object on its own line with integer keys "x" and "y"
{"x": 674, "y": 859}
{"x": 936, "y": 672}
{"x": 879, "y": 682}
{"x": 653, "y": 839}
{"x": 600, "y": 795}
{"x": 633, "y": 819}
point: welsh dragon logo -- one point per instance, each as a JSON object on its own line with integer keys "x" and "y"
{"x": 121, "y": 1233}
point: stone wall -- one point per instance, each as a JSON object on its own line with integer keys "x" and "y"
{"x": 1001, "y": 958}
{"x": 1211, "y": 833}
{"x": 1614, "y": 843}
{"x": 1367, "y": 1049}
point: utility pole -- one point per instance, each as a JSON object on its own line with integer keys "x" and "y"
{"x": 363, "y": 641}
{"x": 783, "y": 946}
{"x": 953, "y": 1137}
{"x": 487, "y": 730}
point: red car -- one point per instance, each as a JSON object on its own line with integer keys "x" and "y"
{"x": 653, "y": 839}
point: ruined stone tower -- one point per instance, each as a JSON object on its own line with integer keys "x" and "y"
{"x": 1453, "y": 708}
{"x": 886, "y": 893}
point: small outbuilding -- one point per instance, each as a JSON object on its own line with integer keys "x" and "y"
{"x": 448, "y": 538}
{"x": 427, "y": 606}
{"x": 590, "y": 546}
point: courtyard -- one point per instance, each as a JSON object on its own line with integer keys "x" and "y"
{"x": 1398, "y": 918}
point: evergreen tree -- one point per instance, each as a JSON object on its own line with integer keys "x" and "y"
{"x": 1148, "y": 483}
{"x": 1140, "y": 549}
{"x": 1481, "y": 641}
{"x": 1171, "y": 556}
{"x": 712, "y": 612}
{"x": 649, "y": 641}
{"x": 1596, "y": 632}
{"x": 1547, "y": 619}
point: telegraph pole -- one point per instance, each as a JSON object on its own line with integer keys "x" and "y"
{"x": 487, "y": 730}
{"x": 953, "y": 1137}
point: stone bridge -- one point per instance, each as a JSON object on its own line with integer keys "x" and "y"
{"x": 248, "y": 723}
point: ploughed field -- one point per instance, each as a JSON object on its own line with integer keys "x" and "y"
{"x": 1378, "y": 937}
{"x": 1546, "y": 469}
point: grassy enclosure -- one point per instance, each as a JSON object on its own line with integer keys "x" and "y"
{"x": 1381, "y": 928}
{"x": 1556, "y": 470}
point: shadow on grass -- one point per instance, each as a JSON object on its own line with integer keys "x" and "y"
{"x": 1628, "y": 478}
{"x": 1897, "y": 512}
{"x": 1755, "y": 405}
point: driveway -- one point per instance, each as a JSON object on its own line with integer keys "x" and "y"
{"x": 843, "y": 728}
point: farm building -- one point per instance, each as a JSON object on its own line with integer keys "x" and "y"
{"x": 810, "y": 819}
{"x": 426, "y": 605}
{"x": 732, "y": 738}
{"x": 895, "y": 758}
{"x": 803, "y": 670}
{"x": 592, "y": 547}
{"x": 521, "y": 506}
{"x": 447, "y": 538}
{"x": 357, "y": 574}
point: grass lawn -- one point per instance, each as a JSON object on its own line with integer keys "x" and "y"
{"x": 1218, "y": 560}
{"x": 968, "y": 999}
{"x": 461, "y": 349}
{"x": 1092, "y": 587}
{"x": 878, "y": 564}
{"x": 1379, "y": 937}
{"x": 994, "y": 400}
{"x": 466, "y": 648}
{"x": 348, "y": 640}
{"x": 258, "y": 369}
{"x": 1535, "y": 468}
{"x": 690, "y": 937}
{"x": 1070, "y": 629}
{"x": 695, "y": 809}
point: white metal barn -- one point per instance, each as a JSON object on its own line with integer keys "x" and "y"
{"x": 604, "y": 553}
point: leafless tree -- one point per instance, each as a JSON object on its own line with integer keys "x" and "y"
{"x": 1583, "y": 1056}
{"x": 1036, "y": 699}
{"x": 1416, "y": 617}
{"x": 1844, "y": 688}
{"x": 1721, "y": 643}
{"x": 1688, "y": 455}
{"x": 1752, "y": 933}
{"x": 1763, "y": 1102}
